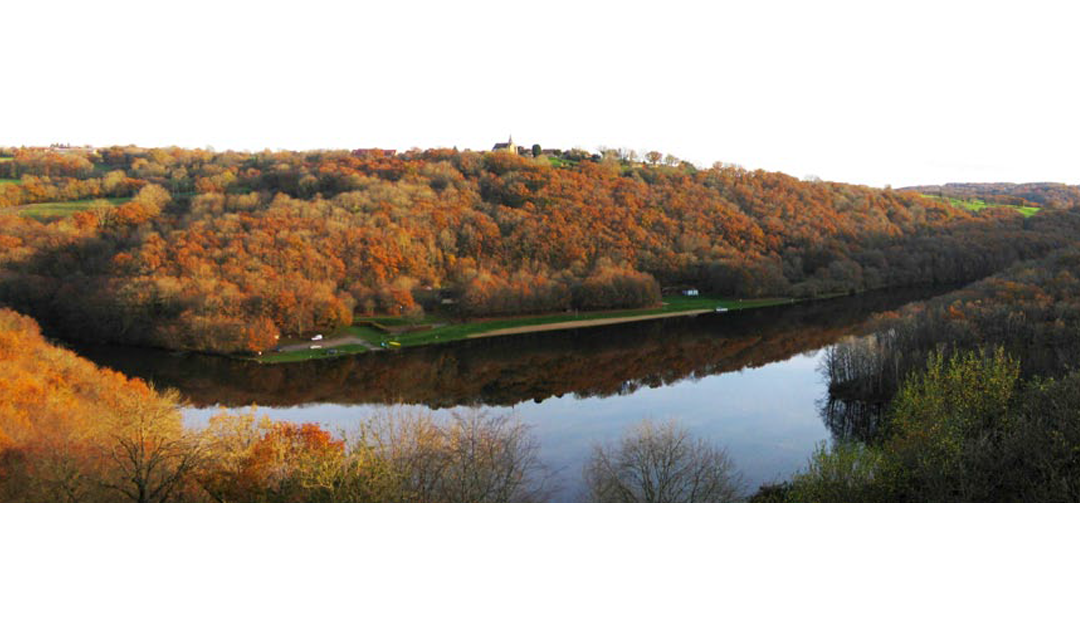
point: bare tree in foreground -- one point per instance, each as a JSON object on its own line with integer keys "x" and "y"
{"x": 471, "y": 457}
{"x": 661, "y": 463}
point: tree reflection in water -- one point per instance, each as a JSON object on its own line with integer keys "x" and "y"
{"x": 850, "y": 420}
{"x": 607, "y": 377}
{"x": 503, "y": 371}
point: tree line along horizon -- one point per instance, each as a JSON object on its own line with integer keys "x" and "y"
{"x": 224, "y": 252}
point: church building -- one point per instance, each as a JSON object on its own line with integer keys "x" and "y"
{"x": 509, "y": 146}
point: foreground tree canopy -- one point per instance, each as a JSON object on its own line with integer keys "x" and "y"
{"x": 70, "y": 431}
{"x": 225, "y": 252}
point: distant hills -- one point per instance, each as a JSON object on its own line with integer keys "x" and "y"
{"x": 1038, "y": 194}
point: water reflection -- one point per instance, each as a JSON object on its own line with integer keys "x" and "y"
{"x": 748, "y": 381}
{"x": 765, "y": 418}
{"x": 851, "y": 419}
{"x": 504, "y": 371}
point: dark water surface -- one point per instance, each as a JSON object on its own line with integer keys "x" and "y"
{"x": 747, "y": 380}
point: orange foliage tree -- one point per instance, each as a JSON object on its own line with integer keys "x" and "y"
{"x": 223, "y": 251}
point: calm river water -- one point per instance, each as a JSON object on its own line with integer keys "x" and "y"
{"x": 747, "y": 380}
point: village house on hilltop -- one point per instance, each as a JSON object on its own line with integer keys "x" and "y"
{"x": 507, "y": 146}
{"x": 365, "y": 152}
{"x": 520, "y": 150}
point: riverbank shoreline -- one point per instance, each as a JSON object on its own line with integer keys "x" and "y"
{"x": 570, "y": 325}
{"x": 363, "y": 336}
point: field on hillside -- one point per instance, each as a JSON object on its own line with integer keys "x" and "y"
{"x": 52, "y": 210}
{"x": 975, "y": 205}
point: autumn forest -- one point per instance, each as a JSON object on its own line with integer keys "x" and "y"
{"x": 229, "y": 253}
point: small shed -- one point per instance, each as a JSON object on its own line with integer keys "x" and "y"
{"x": 690, "y": 292}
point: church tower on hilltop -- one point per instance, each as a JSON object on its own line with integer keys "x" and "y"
{"x": 509, "y": 146}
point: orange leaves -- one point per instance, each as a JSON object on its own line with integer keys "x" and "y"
{"x": 617, "y": 287}
{"x": 124, "y": 262}
{"x": 24, "y": 402}
{"x": 260, "y": 335}
{"x": 286, "y": 440}
{"x": 62, "y": 419}
{"x": 135, "y": 213}
{"x": 254, "y": 459}
{"x": 10, "y": 344}
{"x": 19, "y": 336}
{"x": 23, "y": 391}
{"x": 85, "y": 220}
{"x": 221, "y": 333}
{"x": 303, "y": 241}
{"x": 396, "y": 300}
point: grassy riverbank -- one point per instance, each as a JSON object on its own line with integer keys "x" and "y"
{"x": 433, "y": 329}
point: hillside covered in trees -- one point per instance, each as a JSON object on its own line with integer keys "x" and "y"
{"x": 225, "y": 252}
{"x": 968, "y": 396}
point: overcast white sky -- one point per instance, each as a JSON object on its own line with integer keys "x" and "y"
{"x": 875, "y": 151}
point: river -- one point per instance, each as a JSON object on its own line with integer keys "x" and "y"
{"x": 746, "y": 380}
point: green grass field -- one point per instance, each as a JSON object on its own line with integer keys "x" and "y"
{"x": 309, "y": 354}
{"x": 459, "y": 331}
{"x": 976, "y": 205}
{"x": 4, "y": 181}
{"x": 368, "y": 334}
{"x": 449, "y": 330}
{"x": 53, "y": 210}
